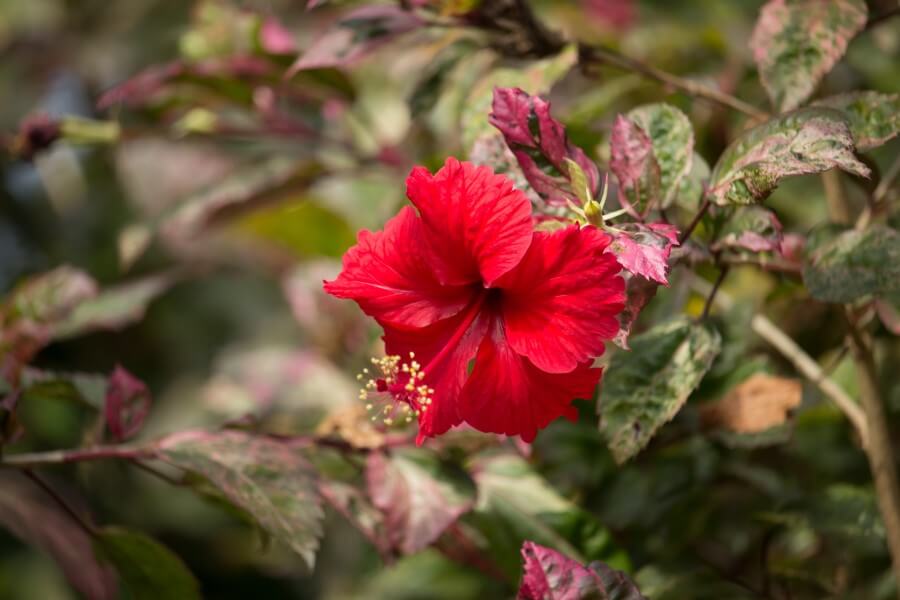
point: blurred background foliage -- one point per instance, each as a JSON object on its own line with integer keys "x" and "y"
{"x": 245, "y": 187}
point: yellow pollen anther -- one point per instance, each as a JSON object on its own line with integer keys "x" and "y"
{"x": 400, "y": 383}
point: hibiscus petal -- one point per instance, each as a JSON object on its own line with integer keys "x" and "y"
{"x": 445, "y": 348}
{"x": 384, "y": 272}
{"x": 478, "y": 225}
{"x": 507, "y": 394}
{"x": 560, "y": 303}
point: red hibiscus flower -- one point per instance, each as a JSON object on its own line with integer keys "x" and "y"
{"x": 468, "y": 278}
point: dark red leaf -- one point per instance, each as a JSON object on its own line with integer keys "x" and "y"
{"x": 550, "y": 575}
{"x": 644, "y": 249}
{"x": 127, "y": 404}
{"x": 356, "y": 35}
{"x": 540, "y": 145}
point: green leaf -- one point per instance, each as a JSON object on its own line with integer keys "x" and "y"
{"x": 855, "y": 264}
{"x": 304, "y": 227}
{"x": 419, "y": 495}
{"x": 427, "y": 575}
{"x": 644, "y": 388}
{"x": 579, "y": 182}
{"x": 874, "y": 117}
{"x": 848, "y": 512}
{"x": 516, "y": 504}
{"x": 537, "y": 78}
{"x": 147, "y": 569}
{"x": 267, "y": 479}
{"x": 809, "y": 140}
{"x": 88, "y": 389}
{"x": 114, "y": 307}
{"x": 672, "y": 138}
{"x": 797, "y": 42}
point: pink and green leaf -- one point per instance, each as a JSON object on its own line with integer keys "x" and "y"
{"x": 797, "y": 42}
{"x": 644, "y": 249}
{"x": 809, "y": 140}
{"x": 672, "y": 138}
{"x": 645, "y": 387}
{"x": 551, "y": 575}
{"x": 752, "y": 229}
{"x": 419, "y": 496}
{"x": 874, "y": 117}
{"x": 269, "y": 480}
{"x": 633, "y": 162}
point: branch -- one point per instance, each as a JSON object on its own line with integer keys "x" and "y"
{"x": 82, "y": 522}
{"x": 879, "y": 450}
{"x": 695, "y": 221}
{"x": 59, "y": 457}
{"x": 805, "y": 365}
{"x": 810, "y": 369}
{"x": 723, "y": 272}
{"x": 875, "y": 20}
{"x": 608, "y": 56}
{"x": 879, "y": 196}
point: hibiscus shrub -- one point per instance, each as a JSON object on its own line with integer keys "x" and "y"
{"x": 451, "y": 299}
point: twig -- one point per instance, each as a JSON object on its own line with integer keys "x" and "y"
{"x": 157, "y": 473}
{"x": 838, "y": 209}
{"x": 695, "y": 221}
{"x": 810, "y": 369}
{"x": 879, "y": 195}
{"x": 723, "y": 272}
{"x": 82, "y": 522}
{"x": 879, "y": 450}
{"x": 603, "y": 55}
{"x": 880, "y": 18}
{"x": 805, "y": 365}
{"x": 57, "y": 457}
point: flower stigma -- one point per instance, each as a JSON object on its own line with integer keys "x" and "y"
{"x": 395, "y": 392}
